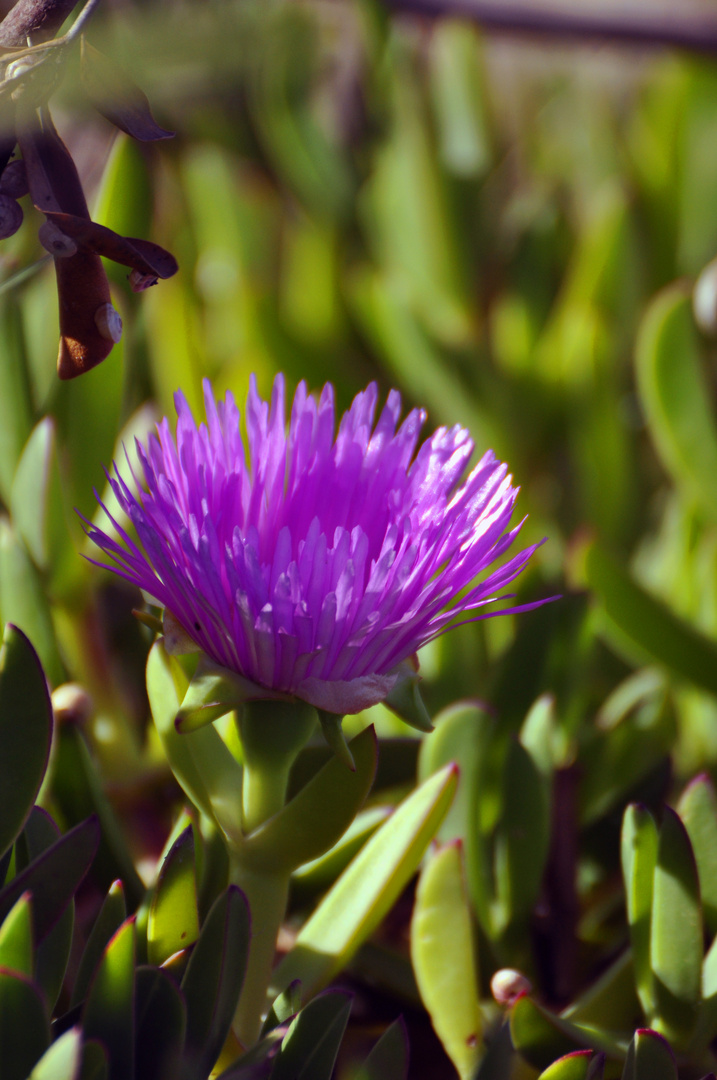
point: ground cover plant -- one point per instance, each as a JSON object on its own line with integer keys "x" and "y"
{"x": 242, "y": 832}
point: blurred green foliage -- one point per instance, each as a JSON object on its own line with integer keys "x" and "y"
{"x": 510, "y": 235}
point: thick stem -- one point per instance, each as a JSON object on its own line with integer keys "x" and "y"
{"x": 263, "y": 794}
{"x": 267, "y": 895}
{"x": 272, "y": 734}
{"x": 693, "y": 33}
{"x": 39, "y": 19}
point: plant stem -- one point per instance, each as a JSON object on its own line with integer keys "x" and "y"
{"x": 272, "y": 734}
{"x": 267, "y": 895}
{"x": 693, "y": 33}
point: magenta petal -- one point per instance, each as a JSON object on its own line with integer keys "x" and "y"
{"x": 316, "y": 561}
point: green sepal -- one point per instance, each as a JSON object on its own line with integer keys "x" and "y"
{"x": 200, "y": 760}
{"x": 213, "y": 692}
{"x": 173, "y": 922}
{"x": 649, "y": 1057}
{"x": 333, "y": 732}
{"x": 406, "y": 701}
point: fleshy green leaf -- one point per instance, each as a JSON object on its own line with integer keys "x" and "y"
{"x": 24, "y": 601}
{"x": 16, "y": 953}
{"x": 24, "y": 1029}
{"x": 53, "y": 878}
{"x": 318, "y": 874}
{"x": 540, "y": 1036}
{"x": 698, "y": 810}
{"x": 212, "y": 692}
{"x": 444, "y": 958}
{"x": 522, "y": 835}
{"x": 456, "y": 738}
{"x": 112, "y": 914}
{"x": 649, "y": 1058}
{"x": 109, "y": 1013}
{"x": 94, "y": 1061}
{"x": 364, "y": 893}
{"x": 160, "y": 1027}
{"x": 303, "y": 830}
{"x": 214, "y": 977}
{"x": 639, "y": 859}
{"x": 676, "y": 941}
{"x": 675, "y": 395}
{"x": 15, "y": 396}
{"x": 649, "y": 624}
{"x": 63, "y": 1060}
{"x": 173, "y": 918}
{"x": 25, "y": 732}
{"x": 78, "y": 789}
{"x": 36, "y": 499}
{"x": 286, "y": 1005}
{"x": 52, "y": 954}
{"x": 388, "y": 1060}
{"x": 201, "y": 762}
{"x": 572, "y": 1066}
{"x": 312, "y": 1042}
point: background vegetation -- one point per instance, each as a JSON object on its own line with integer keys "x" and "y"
{"x": 509, "y": 232}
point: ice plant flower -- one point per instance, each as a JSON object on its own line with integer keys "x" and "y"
{"x": 315, "y": 563}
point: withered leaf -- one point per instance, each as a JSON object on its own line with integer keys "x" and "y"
{"x": 119, "y": 99}
{"x": 141, "y": 255}
{"x": 82, "y": 289}
{"x": 51, "y": 173}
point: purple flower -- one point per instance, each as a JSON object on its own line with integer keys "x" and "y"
{"x": 315, "y": 564}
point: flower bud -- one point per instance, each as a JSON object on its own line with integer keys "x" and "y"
{"x": 71, "y": 704}
{"x": 507, "y": 985}
{"x": 10, "y": 216}
{"x": 704, "y": 300}
{"x": 109, "y": 322}
{"x": 13, "y": 181}
{"x": 55, "y": 241}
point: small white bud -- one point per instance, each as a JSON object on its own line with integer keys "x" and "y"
{"x": 704, "y": 300}
{"x": 55, "y": 241}
{"x": 10, "y": 216}
{"x": 71, "y": 704}
{"x": 109, "y": 322}
{"x": 507, "y": 985}
{"x": 13, "y": 181}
